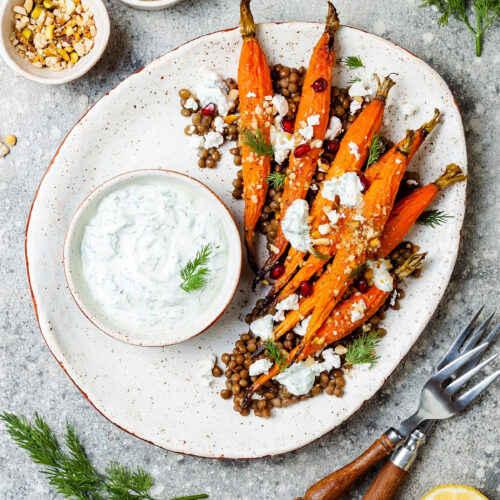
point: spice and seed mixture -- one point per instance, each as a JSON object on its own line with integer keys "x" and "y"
{"x": 53, "y": 33}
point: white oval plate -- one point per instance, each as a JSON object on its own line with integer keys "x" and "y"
{"x": 154, "y": 393}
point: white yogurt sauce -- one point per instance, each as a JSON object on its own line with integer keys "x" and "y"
{"x": 298, "y": 379}
{"x": 213, "y": 89}
{"x": 263, "y": 327}
{"x": 295, "y": 226}
{"x": 134, "y": 247}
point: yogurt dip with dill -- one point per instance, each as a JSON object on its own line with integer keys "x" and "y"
{"x": 134, "y": 247}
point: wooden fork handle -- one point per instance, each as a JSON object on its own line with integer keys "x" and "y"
{"x": 386, "y": 483}
{"x": 337, "y": 483}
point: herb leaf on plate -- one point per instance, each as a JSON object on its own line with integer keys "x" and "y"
{"x": 362, "y": 349}
{"x": 353, "y": 62}
{"x": 194, "y": 274}
{"x": 433, "y": 218}
{"x": 319, "y": 255}
{"x": 276, "y": 180}
{"x": 376, "y": 149}
{"x": 274, "y": 352}
{"x": 70, "y": 472}
{"x": 257, "y": 143}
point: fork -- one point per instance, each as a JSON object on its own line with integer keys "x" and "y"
{"x": 460, "y": 363}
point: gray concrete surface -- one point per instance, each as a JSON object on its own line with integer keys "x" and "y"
{"x": 462, "y": 450}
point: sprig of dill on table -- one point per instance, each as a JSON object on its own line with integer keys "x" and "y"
{"x": 257, "y": 143}
{"x": 276, "y": 180}
{"x": 433, "y": 218}
{"x": 194, "y": 274}
{"x": 70, "y": 472}
{"x": 275, "y": 353}
{"x": 486, "y": 11}
{"x": 362, "y": 349}
{"x": 376, "y": 149}
{"x": 353, "y": 62}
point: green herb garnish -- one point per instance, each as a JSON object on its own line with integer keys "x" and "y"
{"x": 376, "y": 149}
{"x": 362, "y": 350}
{"x": 433, "y": 218}
{"x": 256, "y": 142}
{"x": 274, "y": 352}
{"x": 486, "y": 11}
{"x": 354, "y": 80}
{"x": 353, "y": 62}
{"x": 319, "y": 255}
{"x": 70, "y": 472}
{"x": 276, "y": 180}
{"x": 355, "y": 272}
{"x": 194, "y": 274}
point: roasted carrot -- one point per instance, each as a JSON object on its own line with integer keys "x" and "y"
{"x": 313, "y": 264}
{"x": 255, "y": 84}
{"x": 359, "y": 239}
{"x": 360, "y": 134}
{"x": 314, "y": 102}
{"x": 340, "y": 323}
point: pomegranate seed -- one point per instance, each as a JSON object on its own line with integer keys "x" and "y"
{"x": 301, "y": 150}
{"x": 277, "y": 271}
{"x": 209, "y": 109}
{"x": 306, "y": 288}
{"x": 332, "y": 146}
{"x": 362, "y": 285}
{"x": 287, "y": 125}
{"x": 364, "y": 181}
{"x": 320, "y": 85}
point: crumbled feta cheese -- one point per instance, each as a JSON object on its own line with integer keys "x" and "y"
{"x": 281, "y": 104}
{"x": 408, "y": 109}
{"x": 324, "y": 229}
{"x": 298, "y": 379}
{"x": 354, "y": 150}
{"x": 394, "y": 296}
{"x": 333, "y": 216}
{"x": 382, "y": 278}
{"x": 348, "y": 187}
{"x": 212, "y": 89}
{"x": 205, "y": 370}
{"x": 219, "y": 124}
{"x": 334, "y": 128}
{"x": 331, "y": 360}
{"x": 357, "y": 311}
{"x": 355, "y": 106}
{"x": 358, "y": 217}
{"x": 307, "y": 132}
{"x": 251, "y": 94}
{"x": 191, "y": 104}
{"x": 313, "y": 120}
{"x": 259, "y": 367}
{"x": 361, "y": 89}
{"x": 212, "y": 140}
{"x": 398, "y": 161}
{"x": 263, "y": 327}
{"x": 295, "y": 226}
{"x": 282, "y": 143}
{"x": 301, "y": 328}
{"x": 291, "y": 303}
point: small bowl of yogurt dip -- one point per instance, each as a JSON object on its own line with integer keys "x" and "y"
{"x": 152, "y": 257}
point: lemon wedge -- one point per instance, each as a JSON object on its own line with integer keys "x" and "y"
{"x": 454, "y": 492}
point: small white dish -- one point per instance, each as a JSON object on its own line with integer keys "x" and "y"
{"x": 45, "y": 75}
{"x": 157, "y": 336}
{"x": 150, "y": 4}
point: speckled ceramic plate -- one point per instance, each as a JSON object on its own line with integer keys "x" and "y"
{"x": 154, "y": 393}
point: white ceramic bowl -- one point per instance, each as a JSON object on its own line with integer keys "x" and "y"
{"x": 45, "y": 75}
{"x": 157, "y": 336}
{"x": 150, "y": 4}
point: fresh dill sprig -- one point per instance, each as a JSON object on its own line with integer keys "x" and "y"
{"x": 353, "y": 62}
{"x": 362, "y": 350}
{"x": 319, "y": 255}
{"x": 194, "y": 274}
{"x": 486, "y": 11}
{"x": 433, "y": 218}
{"x": 274, "y": 352}
{"x": 70, "y": 472}
{"x": 352, "y": 81}
{"x": 376, "y": 149}
{"x": 355, "y": 272}
{"x": 276, "y": 180}
{"x": 256, "y": 142}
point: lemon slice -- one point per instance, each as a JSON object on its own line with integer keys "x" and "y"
{"x": 454, "y": 492}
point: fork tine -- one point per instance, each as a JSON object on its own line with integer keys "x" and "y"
{"x": 461, "y": 381}
{"x": 476, "y": 335}
{"x": 452, "y": 367}
{"x": 452, "y": 352}
{"x": 473, "y": 392}
{"x": 492, "y": 334}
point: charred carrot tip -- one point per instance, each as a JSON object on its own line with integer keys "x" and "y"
{"x": 332, "y": 19}
{"x": 407, "y": 142}
{"x": 384, "y": 87}
{"x": 410, "y": 265}
{"x": 452, "y": 174}
{"x": 430, "y": 125}
{"x": 247, "y": 23}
